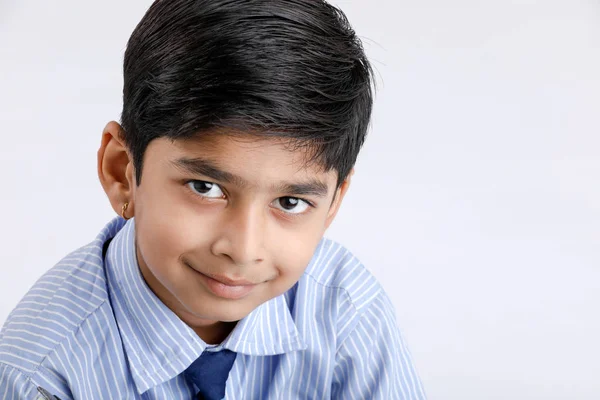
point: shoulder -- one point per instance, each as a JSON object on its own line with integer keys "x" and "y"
{"x": 336, "y": 268}
{"x": 338, "y": 291}
{"x": 54, "y": 308}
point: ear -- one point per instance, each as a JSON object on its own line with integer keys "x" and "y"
{"x": 337, "y": 199}
{"x": 115, "y": 169}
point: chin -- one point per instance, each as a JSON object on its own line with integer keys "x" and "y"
{"x": 220, "y": 312}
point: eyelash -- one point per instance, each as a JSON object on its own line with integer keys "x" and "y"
{"x": 289, "y": 215}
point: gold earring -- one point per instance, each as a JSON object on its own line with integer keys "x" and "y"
{"x": 124, "y": 209}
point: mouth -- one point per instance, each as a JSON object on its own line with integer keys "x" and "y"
{"x": 225, "y": 287}
{"x": 230, "y": 282}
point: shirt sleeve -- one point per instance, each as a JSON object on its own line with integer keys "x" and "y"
{"x": 373, "y": 362}
{"x": 14, "y": 385}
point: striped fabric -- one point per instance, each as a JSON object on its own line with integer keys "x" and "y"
{"x": 90, "y": 328}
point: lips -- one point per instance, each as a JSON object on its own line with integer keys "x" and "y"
{"x": 225, "y": 287}
{"x": 230, "y": 282}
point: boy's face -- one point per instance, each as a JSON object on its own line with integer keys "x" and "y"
{"x": 223, "y": 223}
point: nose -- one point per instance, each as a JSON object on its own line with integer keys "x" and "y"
{"x": 241, "y": 236}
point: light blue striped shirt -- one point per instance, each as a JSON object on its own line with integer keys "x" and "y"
{"x": 91, "y": 328}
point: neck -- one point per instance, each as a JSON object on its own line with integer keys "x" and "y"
{"x": 214, "y": 333}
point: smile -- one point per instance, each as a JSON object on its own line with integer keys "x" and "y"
{"x": 226, "y": 288}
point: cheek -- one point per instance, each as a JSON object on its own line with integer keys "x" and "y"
{"x": 294, "y": 252}
{"x": 165, "y": 232}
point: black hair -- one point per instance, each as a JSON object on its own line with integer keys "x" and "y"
{"x": 292, "y": 69}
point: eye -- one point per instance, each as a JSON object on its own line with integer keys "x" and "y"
{"x": 291, "y": 205}
{"x": 206, "y": 189}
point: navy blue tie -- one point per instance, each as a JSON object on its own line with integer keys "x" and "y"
{"x": 209, "y": 373}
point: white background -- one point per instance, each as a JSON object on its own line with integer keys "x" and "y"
{"x": 476, "y": 201}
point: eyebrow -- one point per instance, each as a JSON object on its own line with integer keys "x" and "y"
{"x": 201, "y": 166}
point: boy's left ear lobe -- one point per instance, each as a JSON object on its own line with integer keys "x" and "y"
{"x": 337, "y": 201}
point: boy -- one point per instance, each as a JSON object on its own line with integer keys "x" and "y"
{"x": 241, "y": 123}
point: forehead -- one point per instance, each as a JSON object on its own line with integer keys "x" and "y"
{"x": 254, "y": 158}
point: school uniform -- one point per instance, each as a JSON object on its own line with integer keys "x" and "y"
{"x": 91, "y": 328}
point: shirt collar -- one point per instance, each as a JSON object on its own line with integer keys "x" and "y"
{"x": 158, "y": 344}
